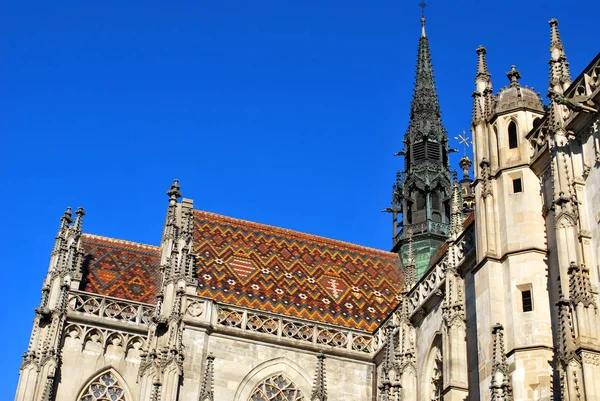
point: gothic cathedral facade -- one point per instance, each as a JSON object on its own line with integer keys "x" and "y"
{"x": 489, "y": 292}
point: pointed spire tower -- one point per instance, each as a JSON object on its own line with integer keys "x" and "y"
{"x": 423, "y": 196}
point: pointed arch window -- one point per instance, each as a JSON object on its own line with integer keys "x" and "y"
{"x": 277, "y": 388}
{"x": 513, "y": 141}
{"x": 105, "y": 387}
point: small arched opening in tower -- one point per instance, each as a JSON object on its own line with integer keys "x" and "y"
{"x": 513, "y": 141}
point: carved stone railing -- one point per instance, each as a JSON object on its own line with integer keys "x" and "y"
{"x": 292, "y": 329}
{"x": 110, "y": 308}
{"x": 425, "y": 226}
{"x": 427, "y": 286}
{"x": 205, "y": 312}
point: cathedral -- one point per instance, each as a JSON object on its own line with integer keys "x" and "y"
{"x": 489, "y": 290}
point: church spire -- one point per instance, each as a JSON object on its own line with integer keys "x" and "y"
{"x": 422, "y": 198}
{"x": 425, "y": 97}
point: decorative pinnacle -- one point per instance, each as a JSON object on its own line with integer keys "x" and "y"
{"x": 555, "y": 41}
{"x": 482, "y": 69}
{"x": 514, "y": 76}
{"x": 319, "y": 391}
{"x": 79, "y": 220}
{"x": 390, "y": 350}
{"x": 206, "y": 391}
{"x": 560, "y": 75}
{"x": 174, "y": 193}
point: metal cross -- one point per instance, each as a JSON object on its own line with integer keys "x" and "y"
{"x": 464, "y": 140}
{"x": 423, "y": 5}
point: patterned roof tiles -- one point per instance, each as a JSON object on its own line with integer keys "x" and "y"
{"x": 121, "y": 269}
{"x": 291, "y": 273}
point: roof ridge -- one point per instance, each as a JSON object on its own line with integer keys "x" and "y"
{"x": 121, "y": 241}
{"x": 296, "y": 233}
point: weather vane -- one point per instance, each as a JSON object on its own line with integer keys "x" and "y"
{"x": 423, "y": 5}
{"x": 464, "y": 140}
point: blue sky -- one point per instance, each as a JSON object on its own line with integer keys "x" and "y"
{"x": 285, "y": 113}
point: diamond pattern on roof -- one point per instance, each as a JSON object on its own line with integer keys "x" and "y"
{"x": 120, "y": 269}
{"x": 300, "y": 275}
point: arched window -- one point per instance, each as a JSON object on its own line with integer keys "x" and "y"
{"x": 512, "y": 135}
{"x": 105, "y": 387}
{"x": 277, "y": 388}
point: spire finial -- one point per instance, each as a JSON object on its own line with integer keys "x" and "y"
{"x": 514, "y": 76}
{"x": 423, "y": 5}
{"x": 173, "y": 192}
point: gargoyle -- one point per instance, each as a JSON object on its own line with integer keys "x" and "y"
{"x": 575, "y": 103}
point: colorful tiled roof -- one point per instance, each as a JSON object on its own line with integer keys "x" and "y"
{"x": 120, "y": 268}
{"x": 291, "y": 273}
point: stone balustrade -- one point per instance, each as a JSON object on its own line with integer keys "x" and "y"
{"x": 205, "y": 312}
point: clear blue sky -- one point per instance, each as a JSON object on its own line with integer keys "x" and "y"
{"x": 281, "y": 112}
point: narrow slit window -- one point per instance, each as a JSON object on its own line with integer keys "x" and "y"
{"x": 517, "y": 186}
{"x": 527, "y": 301}
{"x": 512, "y": 135}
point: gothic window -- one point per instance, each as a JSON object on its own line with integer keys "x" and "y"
{"x": 512, "y": 135}
{"x": 105, "y": 387}
{"x": 277, "y": 388}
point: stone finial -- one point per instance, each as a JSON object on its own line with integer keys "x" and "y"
{"x": 67, "y": 217}
{"x": 173, "y": 192}
{"x": 465, "y": 164}
{"x": 319, "y": 390}
{"x": 207, "y": 387}
{"x": 513, "y": 76}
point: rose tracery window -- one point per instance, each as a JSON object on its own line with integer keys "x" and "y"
{"x": 104, "y": 388}
{"x": 277, "y": 388}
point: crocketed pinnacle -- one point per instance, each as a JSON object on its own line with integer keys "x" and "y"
{"x": 206, "y": 390}
{"x": 425, "y": 102}
{"x": 410, "y": 273}
{"x": 560, "y": 76}
{"x": 483, "y": 95}
{"x": 456, "y": 213}
{"x": 319, "y": 390}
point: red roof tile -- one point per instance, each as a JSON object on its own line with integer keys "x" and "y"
{"x": 291, "y": 273}
{"x": 120, "y": 268}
